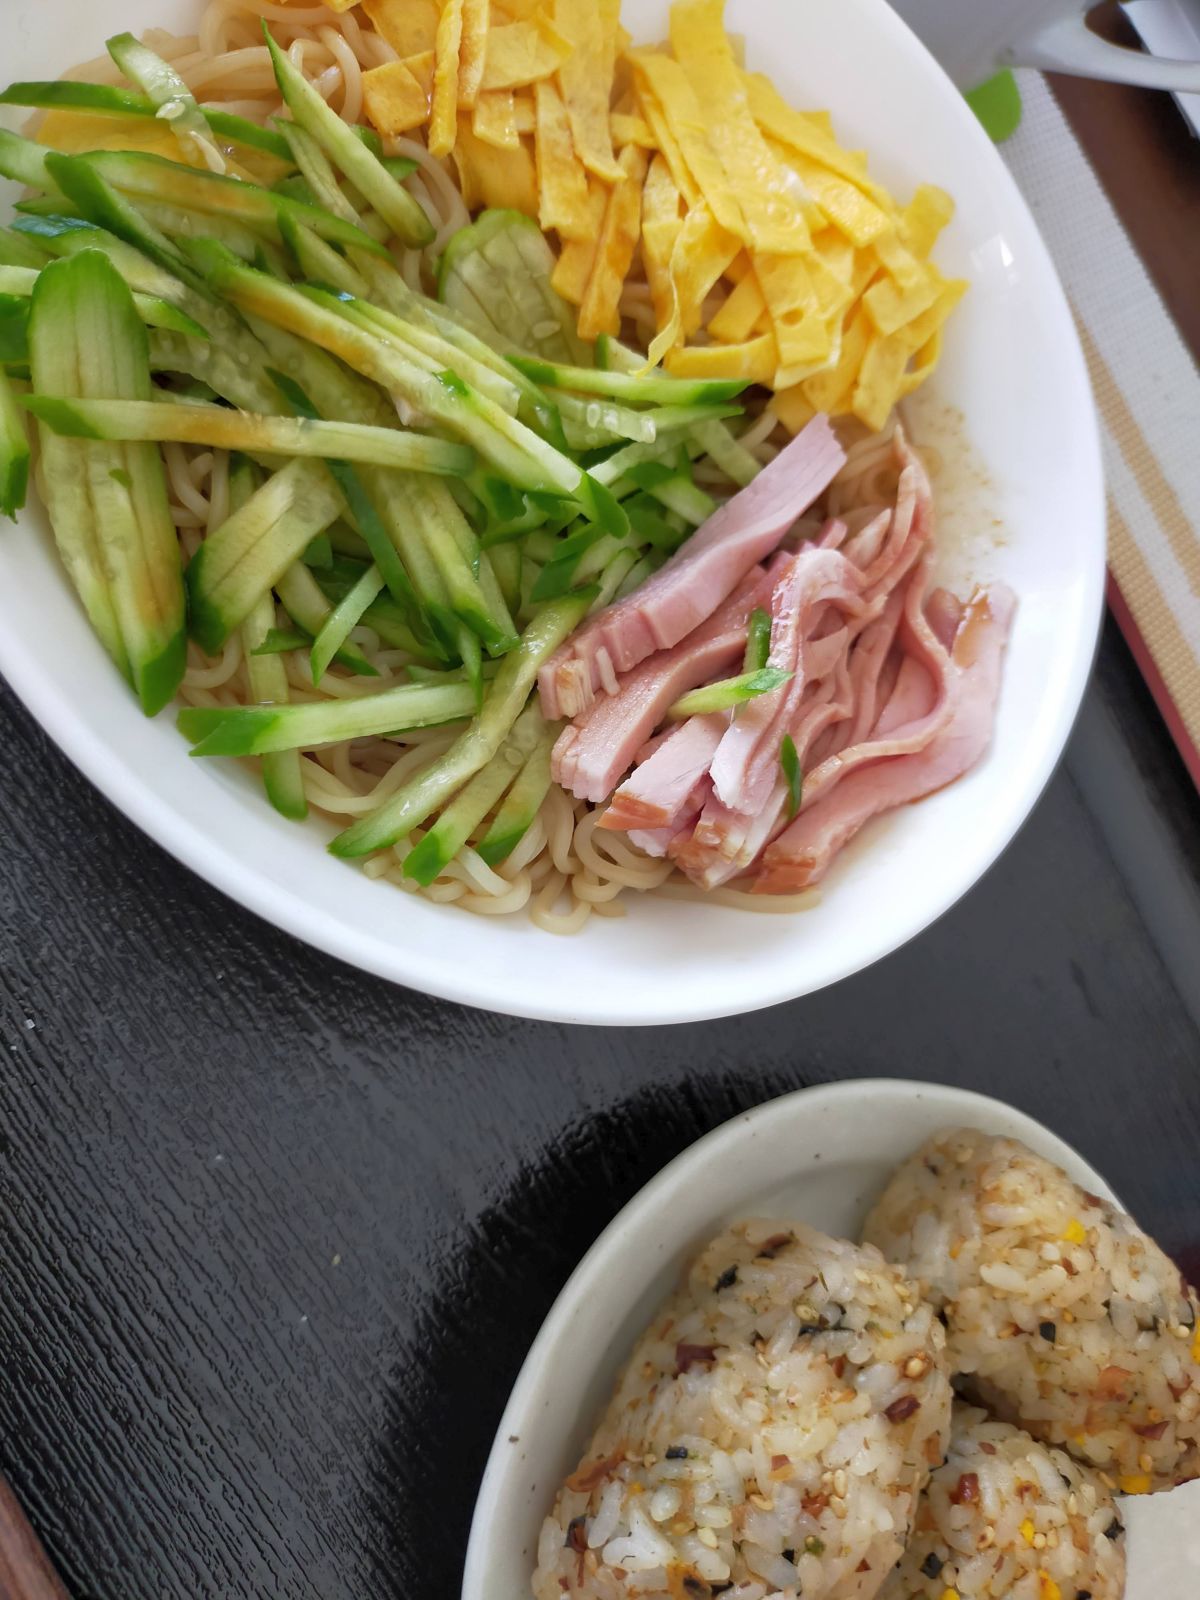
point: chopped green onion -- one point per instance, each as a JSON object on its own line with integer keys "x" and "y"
{"x": 758, "y": 640}
{"x": 728, "y": 692}
{"x": 789, "y": 761}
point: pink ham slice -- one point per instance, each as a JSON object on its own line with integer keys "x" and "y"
{"x": 803, "y": 852}
{"x": 657, "y": 792}
{"x": 699, "y": 576}
{"x": 658, "y": 841}
{"x": 747, "y": 763}
{"x": 591, "y": 754}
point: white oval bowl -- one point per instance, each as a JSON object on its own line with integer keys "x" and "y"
{"x": 1012, "y": 369}
{"x": 819, "y": 1156}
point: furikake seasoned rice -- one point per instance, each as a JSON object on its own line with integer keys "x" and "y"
{"x": 1007, "y": 1518}
{"x": 772, "y": 1430}
{"x": 1062, "y": 1315}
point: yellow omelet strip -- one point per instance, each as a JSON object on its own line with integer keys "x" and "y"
{"x": 574, "y": 267}
{"x": 808, "y": 136}
{"x": 754, "y": 360}
{"x": 670, "y": 87}
{"x": 443, "y": 115}
{"x": 562, "y": 181}
{"x": 599, "y": 311}
{"x": 396, "y": 101}
{"x": 665, "y": 140}
{"x": 409, "y": 26}
{"x": 739, "y": 316}
{"x": 495, "y": 118}
{"x": 661, "y": 222}
{"x": 765, "y": 191}
{"x": 584, "y": 84}
{"x": 521, "y": 53}
{"x": 495, "y": 177}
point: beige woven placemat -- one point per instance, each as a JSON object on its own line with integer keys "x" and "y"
{"x": 1148, "y": 394}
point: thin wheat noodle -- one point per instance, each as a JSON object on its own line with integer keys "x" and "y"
{"x": 351, "y": 70}
{"x": 214, "y": 673}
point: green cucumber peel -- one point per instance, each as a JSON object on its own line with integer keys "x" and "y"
{"x": 141, "y": 176}
{"x": 255, "y": 546}
{"x": 14, "y": 452}
{"x": 734, "y": 460}
{"x": 62, "y": 94}
{"x": 221, "y": 428}
{"x": 17, "y": 250}
{"x": 367, "y": 520}
{"x": 108, "y": 503}
{"x": 521, "y": 804}
{"x": 318, "y": 261}
{"x": 473, "y": 801}
{"x": 378, "y": 187}
{"x": 24, "y": 161}
{"x": 14, "y": 328}
{"x": 344, "y": 616}
{"x": 260, "y": 730}
{"x": 647, "y": 390}
{"x": 428, "y": 790}
{"x": 282, "y": 775}
{"x": 671, "y": 424}
{"x": 107, "y": 208}
{"x": 308, "y": 607}
{"x": 277, "y": 640}
{"x": 320, "y": 318}
{"x": 174, "y": 103}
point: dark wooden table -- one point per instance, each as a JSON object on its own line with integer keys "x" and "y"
{"x": 276, "y": 1235}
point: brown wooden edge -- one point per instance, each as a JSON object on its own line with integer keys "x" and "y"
{"x": 1148, "y": 163}
{"x": 25, "y": 1570}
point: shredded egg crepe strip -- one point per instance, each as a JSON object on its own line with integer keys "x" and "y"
{"x": 562, "y": 181}
{"x": 472, "y": 47}
{"x": 409, "y": 26}
{"x": 599, "y": 309}
{"x": 521, "y": 53}
{"x": 397, "y": 95}
{"x": 671, "y": 87}
{"x": 770, "y": 253}
{"x": 495, "y": 119}
{"x": 765, "y": 190}
{"x": 443, "y": 112}
{"x": 492, "y": 176}
{"x": 585, "y": 85}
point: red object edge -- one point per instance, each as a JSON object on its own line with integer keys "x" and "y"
{"x": 1154, "y": 680}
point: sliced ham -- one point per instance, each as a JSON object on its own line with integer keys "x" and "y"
{"x": 725, "y": 843}
{"x": 593, "y": 753}
{"x": 746, "y": 765}
{"x": 944, "y": 612}
{"x": 658, "y": 841}
{"x": 688, "y": 589}
{"x": 802, "y": 853}
{"x": 658, "y": 790}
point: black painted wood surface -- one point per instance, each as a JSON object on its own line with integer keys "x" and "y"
{"x": 277, "y": 1235}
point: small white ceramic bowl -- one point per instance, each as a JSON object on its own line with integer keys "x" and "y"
{"x": 1010, "y": 414}
{"x": 820, "y": 1156}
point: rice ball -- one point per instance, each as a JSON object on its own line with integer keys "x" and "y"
{"x": 1007, "y": 1518}
{"x": 771, "y": 1431}
{"x": 1062, "y": 1316}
